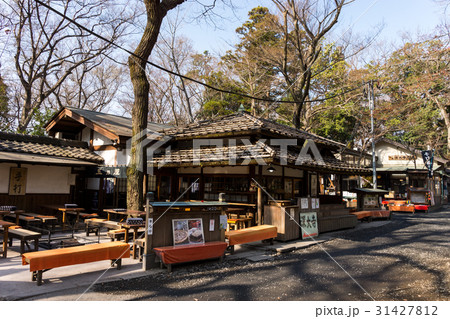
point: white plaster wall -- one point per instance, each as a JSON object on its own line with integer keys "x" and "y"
{"x": 109, "y": 157}
{"x": 43, "y": 179}
{"x": 384, "y": 150}
{"x": 100, "y": 139}
{"x": 86, "y": 134}
{"x": 4, "y": 176}
{"x": 123, "y": 158}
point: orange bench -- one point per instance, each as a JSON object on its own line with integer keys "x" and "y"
{"x": 185, "y": 253}
{"x": 250, "y": 234}
{"x": 370, "y": 214}
{"x": 41, "y": 261}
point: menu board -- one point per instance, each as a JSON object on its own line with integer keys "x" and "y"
{"x": 187, "y": 231}
{"x": 308, "y": 225}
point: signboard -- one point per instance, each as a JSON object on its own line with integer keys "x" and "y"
{"x": 314, "y": 203}
{"x": 370, "y": 201}
{"x": 17, "y": 181}
{"x": 304, "y": 203}
{"x": 187, "y": 231}
{"x": 150, "y": 226}
{"x": 308, "y": 224}
{"x": 223, "y": 222}
{"x": 211, "y": 225}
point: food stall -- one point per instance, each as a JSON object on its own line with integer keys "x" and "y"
{"x": 183, "y": 224}
{"x": 369, "y": 204}
{"x": 420, "y": 198}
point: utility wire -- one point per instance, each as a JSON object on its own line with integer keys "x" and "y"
{"x": 177, "y": 74}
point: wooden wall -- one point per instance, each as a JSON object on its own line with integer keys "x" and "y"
{"x": 32, "y": 202}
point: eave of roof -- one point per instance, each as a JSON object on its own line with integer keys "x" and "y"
{"x": 110, "y": 125}
{"x": 10, "y": 157}
{"x": 254, "y": 154}
{"x": 22, "y": 146}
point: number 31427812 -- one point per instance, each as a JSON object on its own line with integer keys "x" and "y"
{"x": 407, "y": 310}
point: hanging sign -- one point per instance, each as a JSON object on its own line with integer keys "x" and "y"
{"x": 428, "y": 161}
{"x": 17, "y": 181}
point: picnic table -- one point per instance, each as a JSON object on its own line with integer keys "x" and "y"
{"x": 135, "y": 228}
{"x": 64, "y": 211}
{"x": 5, "y": 225}
{"x": 15, "y": 212}
{"x": 124, "y": 212}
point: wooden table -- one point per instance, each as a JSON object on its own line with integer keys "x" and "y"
{"x": 65, "y": 211}
{"x": 135, "y": 230}
{"x": 15, "y": 212}
{"x": 5, "y": 226}
{"x": 240, "y": 223}
{"x": 128, "y": 213}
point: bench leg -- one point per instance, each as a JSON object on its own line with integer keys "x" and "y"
{"x": 22, "y": 247}
{"x": 36, "y": 244}
{"x": 37, "y": 276}
{"x": 169, "y": 267}
{"x": 117, "y": 262}
{"x": 10, "y": 241}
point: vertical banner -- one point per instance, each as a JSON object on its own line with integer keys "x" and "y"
{"x": 428, "y": 161}
{"x": 17, "y": 181}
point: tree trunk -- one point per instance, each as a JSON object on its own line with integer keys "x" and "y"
{"x": 139, "y": 112}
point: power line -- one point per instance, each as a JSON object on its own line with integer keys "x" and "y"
{"x": 177, "y": 74}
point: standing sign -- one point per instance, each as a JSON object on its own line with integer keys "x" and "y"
{"x": 17, "y": 181}
{"x": 308, "y": 224}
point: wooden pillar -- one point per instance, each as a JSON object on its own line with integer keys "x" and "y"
{"x": 259, "y": 201}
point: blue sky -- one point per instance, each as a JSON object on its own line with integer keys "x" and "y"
{"x": 398, "y": 17}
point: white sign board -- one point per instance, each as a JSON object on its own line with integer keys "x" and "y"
{"x": 304, "y": 203}
{"x": 309, "y": 225}
{"x": 150, "y": 226}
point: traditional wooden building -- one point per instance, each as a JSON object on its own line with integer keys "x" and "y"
{"x": 107, "y": 135}
{"x": 400, "y": 167}
{"x": 39, "y": 170}
{"x": 237, "y": 153}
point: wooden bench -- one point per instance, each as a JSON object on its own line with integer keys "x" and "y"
{"x": 45, "y": 219}
{"x": 251, "y": 234}
{"x": 24, "y": 236}
{"x": 41, "y": 261}
{"x": 95, "y": 224}
{"x": 186, "y": 253}
{"x": 369, "y": 215}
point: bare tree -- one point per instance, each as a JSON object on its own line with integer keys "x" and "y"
{"x": 49, "y": 49}
{"x": 91, "y": 86}
{"x": 304, "y": 24}
{"x": 156, "y": 11}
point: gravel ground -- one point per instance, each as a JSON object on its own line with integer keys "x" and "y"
{"x": 407, "y": 259}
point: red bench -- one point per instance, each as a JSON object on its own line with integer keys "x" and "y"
{"x": 251, "y": 234}
{"x": 41, "y": 261}
{"x": 185, "y": 253}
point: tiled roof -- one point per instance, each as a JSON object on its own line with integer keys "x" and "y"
{"x": 249, "y": 154}
{"x": 40, "y": 145}
{"x": 243, "y": 123}
{"x": 118, "y": 125}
